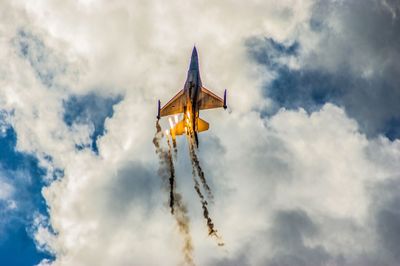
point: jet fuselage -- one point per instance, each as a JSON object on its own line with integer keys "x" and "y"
{"x": 192, "y": 90}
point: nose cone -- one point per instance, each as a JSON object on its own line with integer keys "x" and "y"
{"x": 194, "y": 62}
{"x": 194, "y": 52}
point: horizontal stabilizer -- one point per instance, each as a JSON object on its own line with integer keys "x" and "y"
{"x": 178, "y": 129}
{"x": 202, "y": 125}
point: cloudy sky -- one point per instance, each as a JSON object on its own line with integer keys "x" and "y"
{"x": 304, "y": 165}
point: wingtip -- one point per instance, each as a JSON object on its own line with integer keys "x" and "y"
{"x": 225, "y": 106}
{"x": 159, "y": 110}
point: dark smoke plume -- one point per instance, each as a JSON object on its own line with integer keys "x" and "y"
{"x": 196, "y": 164}
{"x": 163, "y": 172}
{"x": 182, "y": 219}
{"x": 178, "y": 209}
{"x": 171, "y": 178}
{"x": 175, "y": 148}
{"x": 210, "y": 225}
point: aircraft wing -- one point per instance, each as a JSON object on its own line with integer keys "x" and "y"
{"x": 174, "y": 106}
{"x": 208, "y": 100}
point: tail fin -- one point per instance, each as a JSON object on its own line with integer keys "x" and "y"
{"x": 202, "y": 125}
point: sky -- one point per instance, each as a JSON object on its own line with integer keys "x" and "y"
{"x": 304, "y": 165}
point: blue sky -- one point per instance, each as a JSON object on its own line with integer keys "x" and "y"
{"x": 304, "y": 165}
{"x": 22, "y": 172}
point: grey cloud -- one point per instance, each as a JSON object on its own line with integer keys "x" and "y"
{"x": 133, "y": 183}
{"x": 237, "y": 260}
{"x": 355, "y": 64}
{"x": 385, "y": 209}
{"x": 290, "y": 227}
{"x": 366, "y": 59}
{"x": 290, "y": 230}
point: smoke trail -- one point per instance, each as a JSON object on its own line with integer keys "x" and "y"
{"x": 210, "y": 225}
{"x": 182, "y": 219}
{"x": 175, "y": 148}
{"x": 167, "y": 173}
{"x": 196, "y": 164}
{"x": 171, "y": 178}
{"x": 162, "y": 155}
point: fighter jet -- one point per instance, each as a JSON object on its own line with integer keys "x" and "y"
{"x": 189, "y": 101}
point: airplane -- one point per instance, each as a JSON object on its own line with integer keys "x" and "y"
{"x": 189, "y": 101}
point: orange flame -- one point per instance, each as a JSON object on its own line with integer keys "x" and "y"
{"x": 170, "y": 122}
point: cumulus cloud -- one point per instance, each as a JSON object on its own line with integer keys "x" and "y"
{"x": 346, "y": 55}
{"x": 296, "y": 187}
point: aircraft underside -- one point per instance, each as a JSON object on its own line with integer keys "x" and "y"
{"x": 189, "y": 101}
